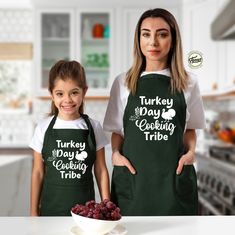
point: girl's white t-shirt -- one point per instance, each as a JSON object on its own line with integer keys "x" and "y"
{"x": 38, "y": 137}
{"x": 113, "y": 121}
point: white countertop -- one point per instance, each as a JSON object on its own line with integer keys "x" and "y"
{"x": 9, "y": 159}
{"x": 168, "y": 225}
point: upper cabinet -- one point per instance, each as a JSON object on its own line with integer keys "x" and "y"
{"x": 82, "y": 35}
{"x": 55, "y": 42}
{"x": 197, "y": 37}
{"x": 95, "y": 33}
{"x": 216, "y": 75}
{"x": 230, "y": 63}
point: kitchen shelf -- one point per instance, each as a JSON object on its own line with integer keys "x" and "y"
{"x": 94, "y": 41}
{"x": 226, "y": 93}
{"x": 56, "y": 39}
{"x": 16, "y": 51}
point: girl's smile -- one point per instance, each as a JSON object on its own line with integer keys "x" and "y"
{"x": 67, "y": 97}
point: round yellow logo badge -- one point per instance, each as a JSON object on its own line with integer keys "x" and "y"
{"x": 195, "y": 59}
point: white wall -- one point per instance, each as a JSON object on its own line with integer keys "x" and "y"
{"x": 15, "y": 4}
{"x": 106, "y": 3}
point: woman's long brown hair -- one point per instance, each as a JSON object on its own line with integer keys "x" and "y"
{"x": 179, "y": 76}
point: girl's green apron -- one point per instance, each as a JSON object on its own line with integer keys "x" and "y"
{"x": 154, "y": 122}
{"x": 68, "y": 155}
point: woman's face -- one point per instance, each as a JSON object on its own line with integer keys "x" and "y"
{"x": 67, "y": 97}
{"x": 155, "y": 42}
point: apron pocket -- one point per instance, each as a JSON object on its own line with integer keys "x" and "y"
{"x": 186, "y": 182}
{"x": 58, "y": 200}
{"x": 121, "y": 183}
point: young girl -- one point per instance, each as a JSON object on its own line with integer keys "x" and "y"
{"x": 66, "y": 146}
{"x": 152, "y": 113}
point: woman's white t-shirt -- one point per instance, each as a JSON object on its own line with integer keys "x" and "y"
{"x": 113, "y": 121}
{"x": 38, "y": 137}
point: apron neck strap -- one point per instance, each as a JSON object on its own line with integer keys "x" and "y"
{"x": 91, "y": 135}
{"x": 52, "y": 123}
{"x": 46, "y": 136}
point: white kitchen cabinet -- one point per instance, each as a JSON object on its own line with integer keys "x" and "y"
{"x": 226, "y": 62}
{"x": 230, "y": 64}
{"x": 229, "y": 58}
{"x": 95, "y": 51}
{"x": 196, "y": 36}
{"x": 54, "y": 40}
{"x": 216, "y": 75}
{"x": 75, "y": 34}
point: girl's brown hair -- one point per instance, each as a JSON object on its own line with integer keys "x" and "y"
{"x": 66, "y": 70}
{"x": 179, "y": 76}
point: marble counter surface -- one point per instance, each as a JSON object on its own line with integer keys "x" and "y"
{"x": 168, "y": 225}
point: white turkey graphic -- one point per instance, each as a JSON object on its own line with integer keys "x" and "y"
{"x": 81, "y": 156}
{"x": 168, "y": 115}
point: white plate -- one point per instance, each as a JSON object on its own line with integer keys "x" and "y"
{"x": 118, "y": 230}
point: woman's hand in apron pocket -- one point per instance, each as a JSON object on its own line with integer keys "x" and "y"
{"x": 186, "y": 181}
{"x": 186, "y": 159}
{"x": 120, "y": 160}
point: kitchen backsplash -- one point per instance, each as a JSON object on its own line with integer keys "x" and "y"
{"x": 15, "y": 130}
{"x": 15, "y": 80}
{"x": 16, "y": 25}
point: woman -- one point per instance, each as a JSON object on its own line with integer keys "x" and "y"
{"x": 152, "y": 113}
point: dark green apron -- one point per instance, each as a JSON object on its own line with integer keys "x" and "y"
{"x": 68, "y": 155}
{"x": 154, "y": 122}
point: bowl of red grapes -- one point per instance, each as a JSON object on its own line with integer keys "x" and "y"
{"x": 96, "y": 218}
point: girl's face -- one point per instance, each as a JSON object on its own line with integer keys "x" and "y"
{"x": 155, "y": 42}
{"x": 67, "y": 97}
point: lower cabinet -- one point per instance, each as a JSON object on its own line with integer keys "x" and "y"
{"x": 15, "y": 181}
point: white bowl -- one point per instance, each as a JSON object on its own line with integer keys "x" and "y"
{"x": 94, "y": 226}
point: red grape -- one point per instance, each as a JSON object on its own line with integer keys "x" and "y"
{"x": 105, "y": 210}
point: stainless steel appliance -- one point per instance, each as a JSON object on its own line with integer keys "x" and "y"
{"x": 216, "y": 181}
